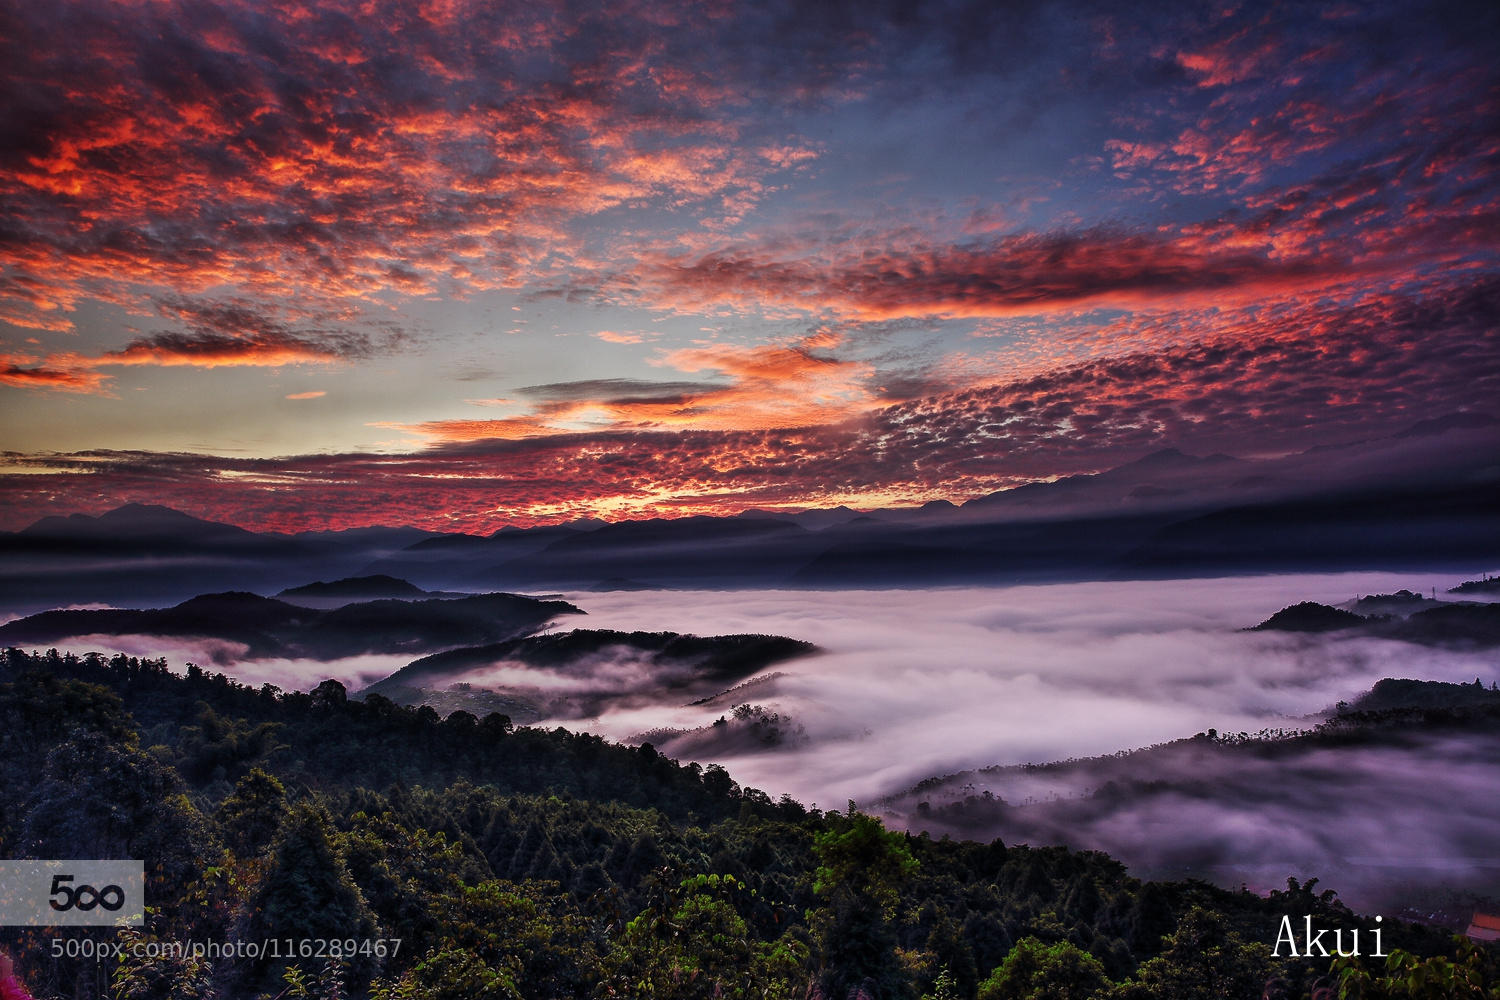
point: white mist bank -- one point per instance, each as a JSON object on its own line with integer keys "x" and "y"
{"x": 913, "y": 684}
{"x": 918, "y": 683}
{"x": 926, "y": 682}
{"x": 223, "y": 656}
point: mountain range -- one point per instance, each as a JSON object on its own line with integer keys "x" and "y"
{"x": 1428, "y": 497}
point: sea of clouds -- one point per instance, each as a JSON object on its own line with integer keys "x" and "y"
{"x": 915, "y": 683}
{"x": 912, "y": 684}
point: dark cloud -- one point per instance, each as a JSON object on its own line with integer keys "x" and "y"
{"x": 24, "y": 373}
{"x": 618, "y": 391}
{"x": 229, "y": 328}
{"x": 218, "y": 333}
{"x": 1017, "y": 275}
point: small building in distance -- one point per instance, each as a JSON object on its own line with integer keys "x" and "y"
{"x": 1484, "y": 927}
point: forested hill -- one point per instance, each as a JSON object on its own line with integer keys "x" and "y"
{"x": 1402, "y": 744}
{"x": 1436, "y": 623}
{"x": 323, "y": 740}
{"x": 270, "y": 628}
{"x": 666, "y": 664}
{"x": 522, "y": 863}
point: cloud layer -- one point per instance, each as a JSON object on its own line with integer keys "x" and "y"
{"x": 911, "y": 685}
{"x": 916, "y": 684}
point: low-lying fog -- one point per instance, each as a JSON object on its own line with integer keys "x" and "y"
{"x": 921, "y": 683}
{"x": 916, "y": 684}
{"x": 1373, "y": 821}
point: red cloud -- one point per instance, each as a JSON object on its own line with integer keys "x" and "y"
{"x": 1017, "y": 275}
{"x": 219, "y": 334}
{"x": 1258, "y": 380}
{"x": 1241, "y": 57}
{"x": 192, "y": 149}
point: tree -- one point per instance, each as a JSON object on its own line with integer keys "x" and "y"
{"x": 162, "y": 975}
{"x": 943, "y": 988}
{"x": 952, "y": 953}
{"x": 692, "y": 943}
{"x": 223, "y": 749}
{"x": 251, "y": 816}
{"x": 718, "y": 782}
{"x": 505, "y": 940}
{"x": 861, "y": 871}
{"x": 307, "y": 893}
{"x": 1203, "y": 960}
{"x": 1035, "y": 970}
{"x": 1407, "y": 977}
{"x": 99, "y": 798}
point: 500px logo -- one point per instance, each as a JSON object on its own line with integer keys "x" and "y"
{"x": 72, "y": 893}
{"x": 111, "y": 897}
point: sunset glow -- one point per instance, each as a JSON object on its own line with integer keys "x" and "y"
{"x": 470, "y": 265}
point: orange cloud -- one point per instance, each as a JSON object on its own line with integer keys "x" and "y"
{"x": 214, "y": 352}
{"x": 1249, "y": 381}
{"x": 1316, "y": 373}
{"x": 768, "y": 387}
{"x": 23, "y": 371}
{"x": 316, "y": 394}
{"x": 74, "y": 372}
{"x": 218, "y": 334}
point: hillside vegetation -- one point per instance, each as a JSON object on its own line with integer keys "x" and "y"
{"x": 535, "y": 864}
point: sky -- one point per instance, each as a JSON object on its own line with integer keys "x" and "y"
{"x": 468, "y": 265}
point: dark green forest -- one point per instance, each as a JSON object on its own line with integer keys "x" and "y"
{"x": 528, "y": 863}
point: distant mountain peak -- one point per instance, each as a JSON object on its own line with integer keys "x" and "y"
{"x": 132, "y": 518}
{"x": 228, "y": 598}
{"x": 136, "y": 507}
{"x": 1309, "y": 616}
{"x": 149, "y": 513}
{"x": 1462, "y": 420}
{"x": 377, "y": 585}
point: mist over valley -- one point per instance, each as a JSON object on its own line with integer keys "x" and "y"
{"x": 934, "y": 707}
